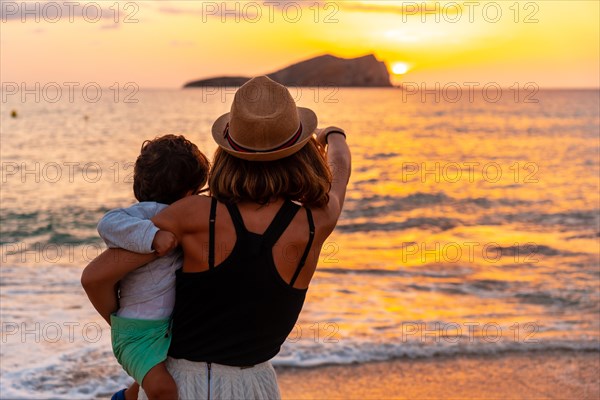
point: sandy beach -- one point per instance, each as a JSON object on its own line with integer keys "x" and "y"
{"x": 531, "y": 375}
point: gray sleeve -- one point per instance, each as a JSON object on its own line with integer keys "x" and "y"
{"x": 130, "y": 228}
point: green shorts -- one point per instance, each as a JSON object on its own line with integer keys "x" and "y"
{"x": 139, "y": 344}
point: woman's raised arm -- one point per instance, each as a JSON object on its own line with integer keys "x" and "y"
{"x": 340, "y": 163}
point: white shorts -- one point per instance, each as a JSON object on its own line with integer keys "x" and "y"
{"x": 258, "y": 382}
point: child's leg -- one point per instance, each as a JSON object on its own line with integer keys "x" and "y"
{"x": 131, "y": 393}
{"x": 159, "y": 384}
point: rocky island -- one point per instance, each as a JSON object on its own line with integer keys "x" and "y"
{"x": 326, "y": 70}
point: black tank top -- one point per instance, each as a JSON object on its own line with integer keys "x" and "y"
{"x": 240, "y": 312}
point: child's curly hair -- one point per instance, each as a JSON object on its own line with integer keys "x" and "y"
{"x": 168, "y": 168}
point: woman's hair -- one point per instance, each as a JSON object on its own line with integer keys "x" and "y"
{"x": 167, "y": 168}
{"x": 304, "y": 176}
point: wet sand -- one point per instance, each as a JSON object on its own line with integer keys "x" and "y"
{"x": 530, "y": 375}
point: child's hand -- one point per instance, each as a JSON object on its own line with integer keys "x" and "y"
{"x": 164, "y": 242}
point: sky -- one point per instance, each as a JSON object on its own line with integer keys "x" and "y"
{"x": 163, "y": 44}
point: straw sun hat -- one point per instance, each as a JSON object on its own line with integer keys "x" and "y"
{"x": 264, "y": 123}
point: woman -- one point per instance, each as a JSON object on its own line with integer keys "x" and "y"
{"x": 250, "y": 250}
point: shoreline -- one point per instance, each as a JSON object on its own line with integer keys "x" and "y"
{"x": 557, "y": 374}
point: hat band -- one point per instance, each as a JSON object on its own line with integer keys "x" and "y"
{"x": 237, "y": 147}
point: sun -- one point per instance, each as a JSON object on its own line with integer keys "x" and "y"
{"x": 400, "y": 68}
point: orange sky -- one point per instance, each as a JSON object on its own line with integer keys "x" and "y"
{"x": 166, "y": 43}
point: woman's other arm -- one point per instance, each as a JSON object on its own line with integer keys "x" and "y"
{"x": 99, "y": 279}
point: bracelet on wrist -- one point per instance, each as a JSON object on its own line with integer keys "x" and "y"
{"x": 331, "y": 132}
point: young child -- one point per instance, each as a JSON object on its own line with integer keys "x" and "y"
{"x": 167, "y": 169}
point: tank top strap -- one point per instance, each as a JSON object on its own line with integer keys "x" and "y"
{"x": 311, "y": 237}
{"x": 211, "y": 233}
{"x": 236, "y": 218}
{"x": 282, "y": 220}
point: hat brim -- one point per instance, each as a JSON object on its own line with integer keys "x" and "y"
{"x": 309, "y": 122}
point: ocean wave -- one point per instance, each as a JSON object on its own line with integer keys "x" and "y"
{"x": 462, "y": 280}
{"x": 549, "y": 298}
{"x": 365, "y": 271}
{"x": 580, "y": 219}
{"x": 516, "y": 291}
{"x": 441, "y": 224}
{"x": 576, "y": 220}
{"x": 320, "y": 354}
{"x": 378, "y": 205}
{"x": 428, "y": 271}
{"x": 93, "y": 373}
{"x": 530, "y": 250}
{"x": 64, "y": 225}
{"x": 385, "y": 205}
{"x": 84, "y": 373}
{"x": 375, "y": 205}
{"x": 585, "y": 236}
{"x": 381, "y": 156}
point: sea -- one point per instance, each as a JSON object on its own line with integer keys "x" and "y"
{"x": 471, "y": 225}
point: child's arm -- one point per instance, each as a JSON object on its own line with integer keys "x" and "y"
{"x": 100, "y": 277}
{"x": 130, "y": 228}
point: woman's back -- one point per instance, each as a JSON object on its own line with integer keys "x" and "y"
{"x": 287, "y": 250}
{"x": 256, "y": 306}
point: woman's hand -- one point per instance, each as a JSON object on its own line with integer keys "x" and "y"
{"x": 330, "y": 130}
{"x": 164, "y": 242}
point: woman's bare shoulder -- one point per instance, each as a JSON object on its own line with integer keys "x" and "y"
{"x": 199, "y": 200}
{"x": 192, "y": 204}
{"x": 189, "y": 214}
